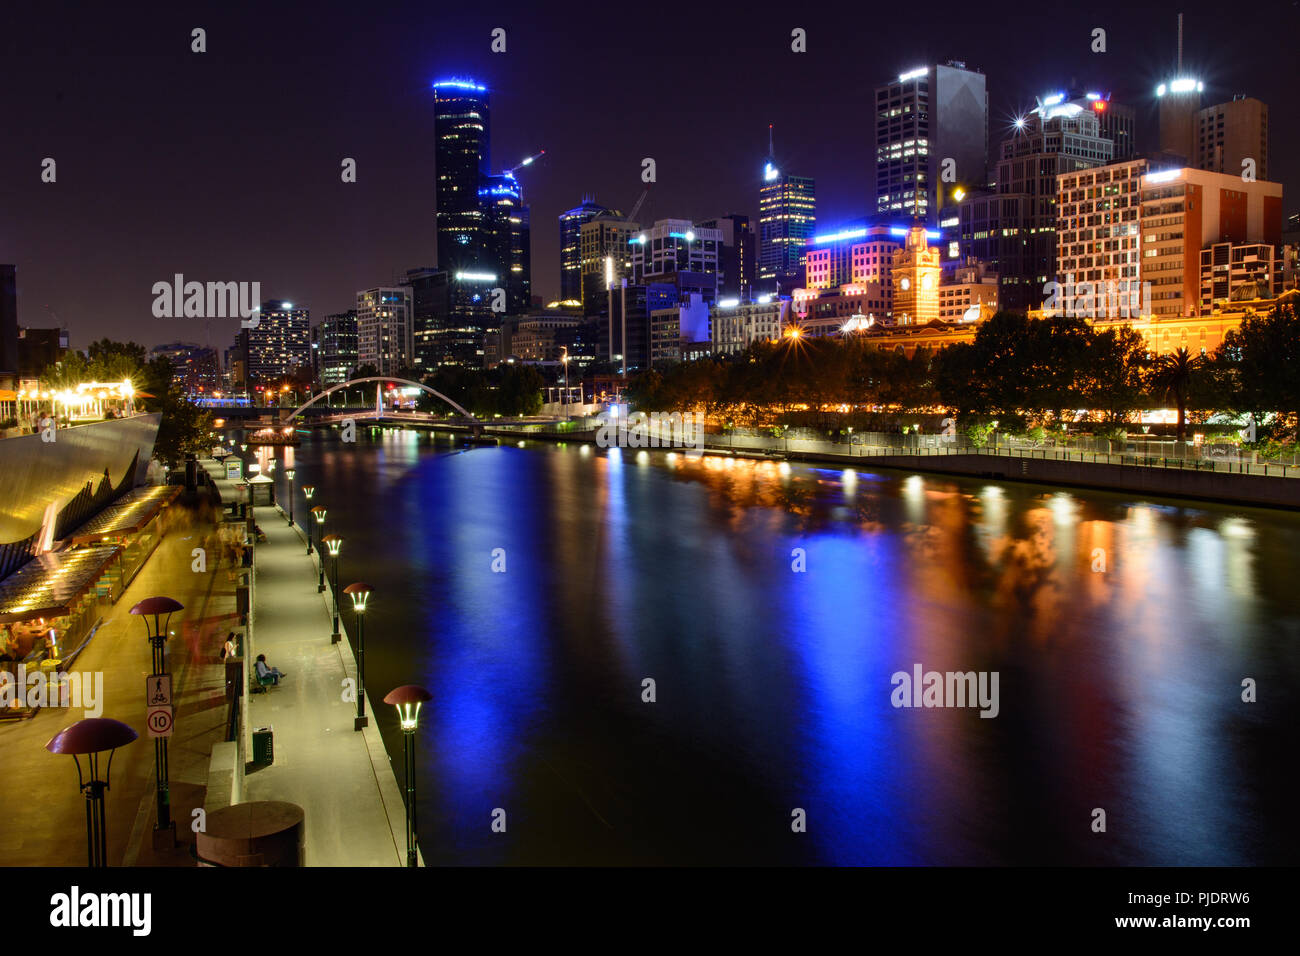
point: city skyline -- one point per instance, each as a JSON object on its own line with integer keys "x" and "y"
{"x": 285, "y": 219}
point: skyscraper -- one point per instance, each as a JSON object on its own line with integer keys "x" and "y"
{"x": 279, "y": 344}
{"x": 787, "y": 217}
{"x": 571, "y": 245}
{"x": 336, "y": 348}
{"x": 384, "y": 329}
{"x": 462, "y": 154}
{"x": 931, "y": 138}
{"x": 736, "y": 255}
{"x": 1230, "y": 133}
{"x": 506, "y": 237}
{"x": 605, "y": 242}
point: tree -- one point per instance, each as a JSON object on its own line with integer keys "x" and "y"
{"x": 1262, "y": 359}
{"x": 1112, "y": 373}
{"x": 1173, "y": 374}
{"x": 183, "y": 429}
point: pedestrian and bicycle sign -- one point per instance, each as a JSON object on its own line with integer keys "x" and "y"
{"x": 160, "y": 721}
{"x": 158, "y": 690}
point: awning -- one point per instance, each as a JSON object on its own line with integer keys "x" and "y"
{"x": 51, "y": 583}
{"x": 126, "y": 515}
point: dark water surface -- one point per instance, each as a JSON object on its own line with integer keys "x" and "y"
{"x": 1119, "y": 689}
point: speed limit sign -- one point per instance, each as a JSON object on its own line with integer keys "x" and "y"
{"x": 159, "y": 721}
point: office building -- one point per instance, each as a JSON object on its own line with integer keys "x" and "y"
{"x": 1013, "y": 230}
{"x": 737, "y": 255}
{"x": 675, "y": 245}
{"x": 1229, "y": 134}
{"x": 279, "y": 345}
{"x": 1179, "y": 102}
{"x": 787, "y": 218}
{"x": 431, "y": 318}
{"x": 571, "y": 223}
{"x": 384, "y": 329}
{"x": 507, "y": 237}
{"x": 605, "y": 241}
{"x": 1185, "y": 211}
{"x": 1227, "y": 267}
{"x": 738, "y": 324}
{"x": 335, "y": 348}
{"x": 854, "y": 255}
{"x": 194, "y": 367}
{"x": 461, "y": 154}
{"x": 927, "y": 116}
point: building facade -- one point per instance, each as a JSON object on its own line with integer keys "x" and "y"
{"x": 279, "y": 345}
{"x": 926, "y": 116}
{"x": 335, "y": 345}
{"x": 384, "y": 329}
{"x": 571, "y": 222}
{"x": 787, "y": 219}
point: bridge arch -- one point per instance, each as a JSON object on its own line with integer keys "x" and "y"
{"x": 376, "y": 378}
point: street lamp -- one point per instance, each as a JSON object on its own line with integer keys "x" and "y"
{"x": 288, "y": 473}
{"x": 319, "y": 514}
{"x": 360, "y": 593}
{"x": 334, "y": 544}
{"x": 307, "y": 492}
{"x": 407, "y": 699}
{"x": 157, "y": 635}
{"x": 91, "y": 736}
{"x": 565, "y": 359}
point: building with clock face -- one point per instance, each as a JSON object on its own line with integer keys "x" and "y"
{"x": 916, "y": 280}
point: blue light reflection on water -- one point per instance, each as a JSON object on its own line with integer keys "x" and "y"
{"x": 773, "y": 686}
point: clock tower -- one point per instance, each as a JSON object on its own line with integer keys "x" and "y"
{"x": 916, "y": 280}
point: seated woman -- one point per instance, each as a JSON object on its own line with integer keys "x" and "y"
{"x": 264, "y": 671}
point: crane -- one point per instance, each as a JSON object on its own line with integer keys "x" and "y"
{"x": 527, "y": 162}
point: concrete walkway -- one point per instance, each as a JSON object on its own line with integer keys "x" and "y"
{"x": 342, "y": 778}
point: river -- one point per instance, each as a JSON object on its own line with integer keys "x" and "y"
{"x": 535, "y": 589}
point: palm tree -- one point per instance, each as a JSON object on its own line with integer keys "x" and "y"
{"x": 1171, "y": 374}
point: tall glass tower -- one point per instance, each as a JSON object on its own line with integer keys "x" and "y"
{"x": 462, "y": 156}
{"x": 787, "y": 218}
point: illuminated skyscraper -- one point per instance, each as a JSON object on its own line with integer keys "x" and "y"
{"x": 462, "y": 155}
{"x": 571, "y": 245}
{"x": 787, "y": 217}
{"x": 384, "y": 329}
{"x": 924, "y": 119}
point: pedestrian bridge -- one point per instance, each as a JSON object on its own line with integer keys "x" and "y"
{"x": 379, "y": 411}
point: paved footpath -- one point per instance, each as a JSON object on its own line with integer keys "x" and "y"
{"x": 342, "y": 778}
{"x": 42, "y": 813}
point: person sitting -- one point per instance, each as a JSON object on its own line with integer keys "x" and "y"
{"x": 264, "y": 670}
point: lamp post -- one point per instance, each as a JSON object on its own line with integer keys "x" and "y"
{"x": 319, "y": 514}
{"x": 565, "y": 359}
{"x": 407, "y": 699}
{"x": 307, "y": 492}
{"x": 360, "y": 594}
{"x": 156, "y": 607}
{"x": 288, "y": 473}
{"x": 334, "y": 544}
{"x": 91, "y": 736}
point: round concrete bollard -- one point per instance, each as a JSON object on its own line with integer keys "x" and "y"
{"x": 262, "y": 833}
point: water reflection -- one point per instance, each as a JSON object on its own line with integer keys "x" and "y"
{"x": 769, "y": 603}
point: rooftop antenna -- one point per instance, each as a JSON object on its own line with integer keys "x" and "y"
{"x": 1180, "y": 44}
{"x": 771, "y": 149}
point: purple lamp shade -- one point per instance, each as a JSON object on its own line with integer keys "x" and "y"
{"x": 407, "y": 694}
{"x": 157, "y": 605}
{"x": 92, "y": 735}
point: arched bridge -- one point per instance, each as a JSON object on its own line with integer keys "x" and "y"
{"x": 379, "y": 399}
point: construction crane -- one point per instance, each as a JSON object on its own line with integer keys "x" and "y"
{"x": 527, "y": 162}
{"x": 637, "y": 208}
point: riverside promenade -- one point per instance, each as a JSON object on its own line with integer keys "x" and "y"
{"x": 342, "y": 778}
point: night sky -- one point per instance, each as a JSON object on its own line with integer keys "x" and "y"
{"x": 225, "y": 165}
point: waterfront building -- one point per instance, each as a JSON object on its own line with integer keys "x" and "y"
{"x": 461, "y": 155}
